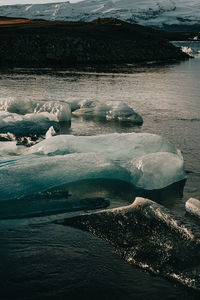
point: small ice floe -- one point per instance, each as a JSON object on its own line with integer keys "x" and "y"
{"x": 51, "y": 132}
{"x": 187, "y": 50}
{"x": 149, "y": 236}
{"x": 110, "y": 111}
{"x": 28, "y": 125}
{"x": 156, "y": 170}
{"x": 192, "y": 207}
{"x": 196, "y": 38}
{"x": 60, "y": 111}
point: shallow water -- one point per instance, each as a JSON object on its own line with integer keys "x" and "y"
{"x": 45, "y": 261}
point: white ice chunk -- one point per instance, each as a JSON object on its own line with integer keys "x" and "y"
{"x": 156, "y": 170}
{"x": 62, "y": 111}
{"x": 24, "y": 175}
{"x": 110, "y": 110}
{"x": 51, "y": 132}
{"x": 115, "y": 146}
{"x": 192, "y": 206}
{"x": 18, "y": 106}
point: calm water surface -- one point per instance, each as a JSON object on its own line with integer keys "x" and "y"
{"x": 41, "y": 260}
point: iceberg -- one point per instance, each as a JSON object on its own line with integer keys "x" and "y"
{"x": 192, "y": 206}
{"x": 29, "y": 174}
{"x": 60, "y": 111}
{"x": 148, "y": 235}
{"x": 147, "y": 161}
{"x": 156, "y": 170}
{"x": 27, "y": 125}
{"x": 110, "y": 111}
{"x": 118, "y": 147}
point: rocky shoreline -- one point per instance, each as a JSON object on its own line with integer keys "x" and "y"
{"x": 39, "y": 43}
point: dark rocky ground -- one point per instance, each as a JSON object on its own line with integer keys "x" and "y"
{"x": 39, "y": 43}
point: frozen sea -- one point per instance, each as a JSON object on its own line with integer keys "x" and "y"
{"x": 42, "y": 260}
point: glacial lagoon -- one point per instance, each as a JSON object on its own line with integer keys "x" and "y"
{"x": 44, "y": 260}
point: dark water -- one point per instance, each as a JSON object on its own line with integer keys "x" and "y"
{"x": 41, "y": 260}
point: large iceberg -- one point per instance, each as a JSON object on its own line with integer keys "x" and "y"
{"x": 148, "y": 161}
{"x": 59, "y": 111}
{"x": 118, "y": 147}
{"x": 25, "y": 175}
{"x": 150, "y": 236}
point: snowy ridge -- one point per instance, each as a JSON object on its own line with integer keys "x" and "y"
{"x": 145, "y": 12}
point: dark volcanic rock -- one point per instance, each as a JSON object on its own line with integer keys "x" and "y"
{"x": 47, "y": 43}
{"x": 148, "y": 235}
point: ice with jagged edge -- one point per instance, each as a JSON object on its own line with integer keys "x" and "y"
{"x": 146, "y": 12}
{"x": 110, "y": 111}
{"x": 58, "y": 111}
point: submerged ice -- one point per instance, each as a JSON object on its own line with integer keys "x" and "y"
{"x": 25, "y": 175}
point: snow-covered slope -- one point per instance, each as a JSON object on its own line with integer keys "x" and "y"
{"x": 146, "y": 12}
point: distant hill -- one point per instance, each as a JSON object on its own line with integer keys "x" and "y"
{"x": 171, "y": 15}
{"x": 103, "y": 41}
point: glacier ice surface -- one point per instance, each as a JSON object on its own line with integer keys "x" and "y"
{"x": 145, "y": 12}
{"x": 118, "y": 147}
